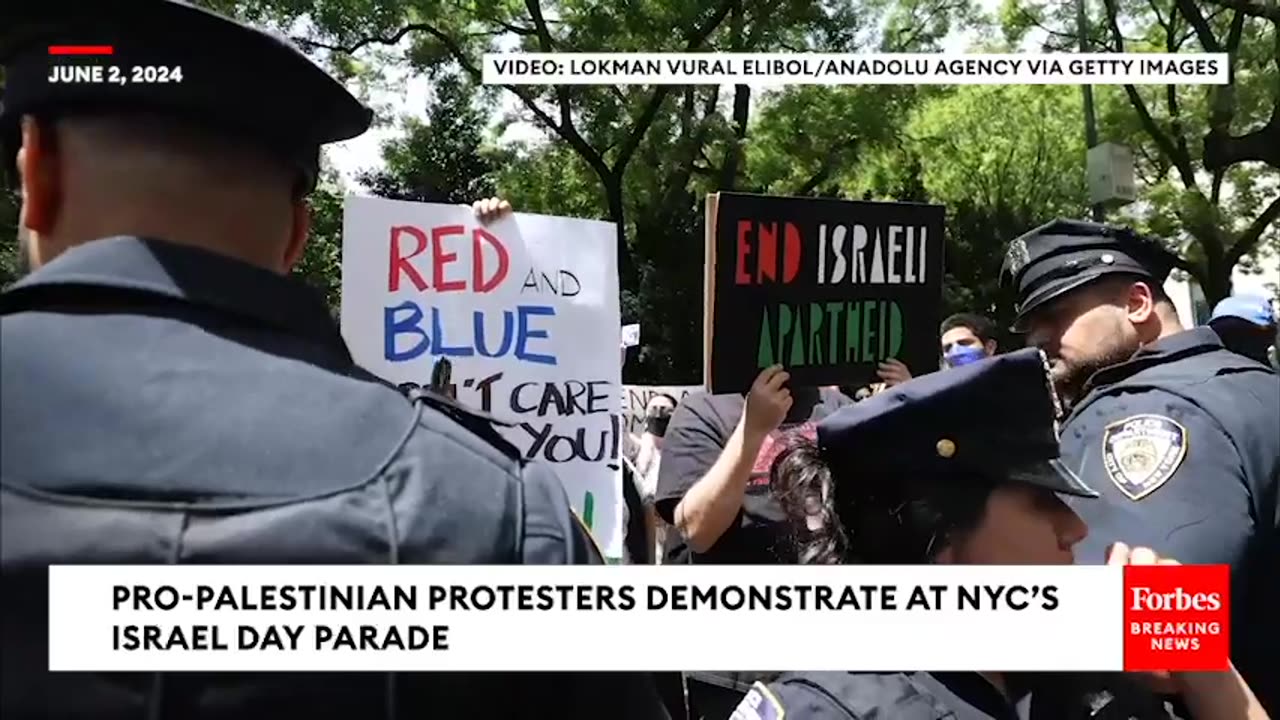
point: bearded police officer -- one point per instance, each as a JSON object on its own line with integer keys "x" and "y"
{"x": 171, "y": 396}
{"x": 972, "y": 477}
{"x": 1180, "y": 435}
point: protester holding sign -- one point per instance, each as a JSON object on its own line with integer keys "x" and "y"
{"x": 525, "y": 309}
{"x": 838, "y": 292}
{"x": 713, "y": 487}
{"x": 912, "y": 476}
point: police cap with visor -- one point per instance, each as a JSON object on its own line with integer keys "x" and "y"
{"x": 1064, "y": 255}
{"x": 177, "y": 61}
{"x": 993, "y": 419}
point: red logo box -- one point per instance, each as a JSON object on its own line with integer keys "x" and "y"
{"x": 1177, "y": 617}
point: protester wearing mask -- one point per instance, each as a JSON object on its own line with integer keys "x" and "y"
{"x": 1246, "y": 324}
{"x": 657, "y": 416}
{"x": 966, "y": 338}
{"x": 966, "y": 472}
{"x": 645, "y": 458}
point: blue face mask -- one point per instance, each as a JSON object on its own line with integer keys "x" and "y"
{"x": 964, "y": 355}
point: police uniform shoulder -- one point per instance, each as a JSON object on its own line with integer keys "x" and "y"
{"x": 482, "y": 425}
{"x": 838, "y": 696}
{"x": 784, "y": 700}
{"x": 1193, "y": 357}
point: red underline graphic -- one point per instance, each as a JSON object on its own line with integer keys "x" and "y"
{"x": 81, "y": 50}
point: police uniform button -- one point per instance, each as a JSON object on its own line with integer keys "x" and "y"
{"x": 946, "y": 448}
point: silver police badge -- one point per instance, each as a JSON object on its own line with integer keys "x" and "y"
{"x": 1142, "y": 452}
{"x": 1016, "y": 256}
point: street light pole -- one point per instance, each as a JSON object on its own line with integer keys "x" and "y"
{"x": 1090, "y": 121}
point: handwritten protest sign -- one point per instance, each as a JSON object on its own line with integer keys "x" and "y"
{"x": 525, "y": 309}
{"x": 636, "y": 397}
{"x": 827, "y": 288}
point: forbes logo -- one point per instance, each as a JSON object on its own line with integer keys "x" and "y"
{"x": 1177, "y": 617}
{"x": 1147, "y": 599}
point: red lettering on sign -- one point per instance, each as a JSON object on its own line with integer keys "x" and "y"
{"x": 484, "y": 276}
{"x": 741, "y": 276}
{"x": 791, "y": 257}
{"x": 440, "y": 258}
{"x": 400, "y": 262}
{"x": 767, "y": 253}
{"x": 768, "y": 266}
{"x": 478, "y": 282}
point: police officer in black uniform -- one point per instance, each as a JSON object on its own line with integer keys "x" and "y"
{"x": 966, "y": 471}
{"x": 1180, "y": 435}
{"x": 170, "y": 395}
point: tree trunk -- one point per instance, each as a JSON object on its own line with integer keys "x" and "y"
{"x": 617, "y": 213}
{"x": 1216, "y": 282}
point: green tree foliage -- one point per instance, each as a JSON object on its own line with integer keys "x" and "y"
{"x": 440, "y": 160}
{"x": 1208, "y": 157}
{"x": 8, "y": 237}
{"x": 8, "y": 221}
{"x": 653, "y": 151}
{"x": 321, "y": 263}
{"x": 1002, "y": 159}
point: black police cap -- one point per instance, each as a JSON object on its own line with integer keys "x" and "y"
{"x": 993, "y": 419}
{"x": 1063, "y": 255}
{"x": 173, "y": 60}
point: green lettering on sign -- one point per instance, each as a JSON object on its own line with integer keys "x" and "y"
{"x": 815, "y": 334}
{"x": 764, "y": 354}
{"x": 851, "y": 344}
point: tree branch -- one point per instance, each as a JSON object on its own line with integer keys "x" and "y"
{"x": 567, "y": 129}
{"x": 566, "y": 132}
{"x": 1180, "y": 160}
{"x": 661, "y": 92}
{"x": 516, "y": 29}
{"x": 393, "y": 39}
{"x": 825, "y": 168}
{"x": 1203, "y": 32}
{"x": 1251, "y": 7}
{"x": 1248, "y": 239}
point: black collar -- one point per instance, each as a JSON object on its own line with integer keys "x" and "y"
{"x": 973, "y": 688}
{"x": 188, "y": 274}
{"x": 1196, "y": 341}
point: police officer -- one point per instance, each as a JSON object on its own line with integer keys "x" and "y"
{"x": 169, "y": 395}
{"x": 966, "y": 472}
{"x": 1181, "y": 436}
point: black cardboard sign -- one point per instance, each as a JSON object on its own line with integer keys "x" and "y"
{"x": 826, "y": 288}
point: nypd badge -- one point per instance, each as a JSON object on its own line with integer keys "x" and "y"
{"x": 759, "y": 704}
{"x": 1016, "y": 257}
{"x": 1142, "y": 452}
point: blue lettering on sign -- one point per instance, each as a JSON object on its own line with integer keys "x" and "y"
{"x": 526, "y": 332}
{"x": 405, "y": 322}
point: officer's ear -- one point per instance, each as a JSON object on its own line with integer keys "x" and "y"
{"x": 39, "y": 177}
{"x": 298, "y": 233}
{"x": 1140, "y": 303}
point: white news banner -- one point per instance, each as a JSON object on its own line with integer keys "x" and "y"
{"x": 585, "y": 618}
